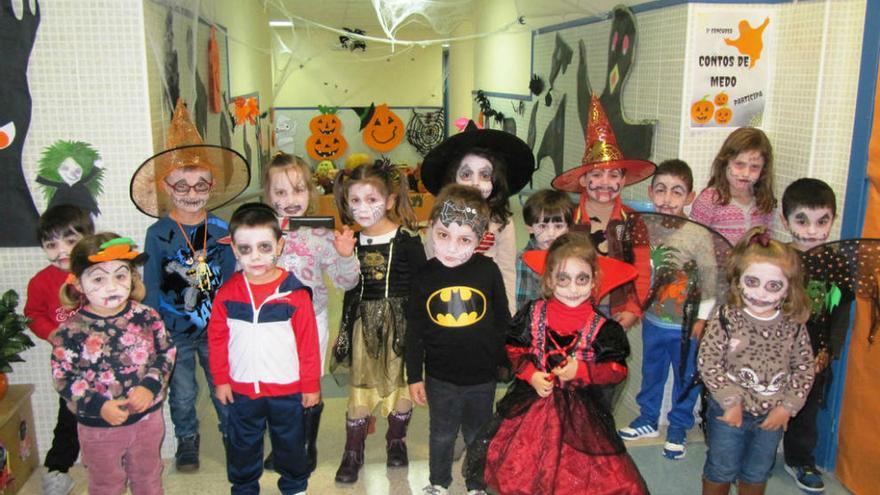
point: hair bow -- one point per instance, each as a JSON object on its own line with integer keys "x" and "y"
{"x": 762, "y": 238}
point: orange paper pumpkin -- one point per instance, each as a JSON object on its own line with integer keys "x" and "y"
{"x": 702, "y": 111}
{"x": 384, "y": 131}
{"x": 723, "y": 115}
{"x": 327, "y": 123}
{"x": 322, "y": 147}
{"x": 721, "y": 99}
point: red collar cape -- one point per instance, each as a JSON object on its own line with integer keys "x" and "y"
{"x": 614, "y": 273}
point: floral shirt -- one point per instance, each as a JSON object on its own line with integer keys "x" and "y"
{"x": 96, "y": 359}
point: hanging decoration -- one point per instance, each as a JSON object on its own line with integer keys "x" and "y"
{"x": 70, "y": 173}
{"x": 425, "y": 130}
{"x": 382, "y": 129}
{"x": 351, "y": 44}
{"x": 285, "y": 130}
{"x": 326, "y": 141}
{"x": 246, "y": 110}
{"x": 172, "y": 73}
{"x": 215, "y": 103}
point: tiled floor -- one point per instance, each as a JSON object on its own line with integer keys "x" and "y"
{"x": 663, "y": 476}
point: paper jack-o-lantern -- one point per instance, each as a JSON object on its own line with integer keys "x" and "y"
{"x": 723, "y": 115}
{"x": 384, "y": 130}
{"x": 321, "y": 147}
{"x": 721, "y": 99}
{"x": 327, "y": 123}
{"x": 702, "y": 111}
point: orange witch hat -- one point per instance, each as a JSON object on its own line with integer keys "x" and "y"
{"x": 602, "y": 152}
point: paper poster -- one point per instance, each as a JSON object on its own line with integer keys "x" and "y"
{"x": 730, "y": 61}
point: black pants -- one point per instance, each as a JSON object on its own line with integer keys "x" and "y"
{"x": 800, "y": 439}
{"x": 65, "y": 443}
{"x": 450, "y": 406}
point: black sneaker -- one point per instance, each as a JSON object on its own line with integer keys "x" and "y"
{"x": 187, "y": 456}
{"x": 808, "y": 478}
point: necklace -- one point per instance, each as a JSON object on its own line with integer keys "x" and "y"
{"x": 202, "y": 270}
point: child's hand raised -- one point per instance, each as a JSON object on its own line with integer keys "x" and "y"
{"x": 115, "y": 411}
{"x": 224, "y": 393}
{"x": 542, "y": 383}
{"x": 139, "y": 398}
{"x": 777, "y": 418}
{"x": 566, "y": 372}
{"x": 311, "y": 399}
{"x": 343, "y": 242}
{"x": 417, "y": 393}
{"x": 733, "y": 416}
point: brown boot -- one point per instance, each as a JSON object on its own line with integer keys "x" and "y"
{"x": 396, "y": 438}
{"x": 353, "y": 457}
{"x": 712, "y": 488}
{"x": 750, "y": 488}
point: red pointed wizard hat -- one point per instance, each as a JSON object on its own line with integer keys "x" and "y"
{"x": 613, "y": 273}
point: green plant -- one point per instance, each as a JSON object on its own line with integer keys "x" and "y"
{"x": 13, "y": 339}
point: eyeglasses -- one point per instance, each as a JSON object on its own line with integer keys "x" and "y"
{"x": 181, "y": 187}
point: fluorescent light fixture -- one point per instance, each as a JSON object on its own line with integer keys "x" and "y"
{"x": 280, "y": 23}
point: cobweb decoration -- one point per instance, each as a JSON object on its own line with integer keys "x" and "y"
{"x": 443, "y": 16}
{"x": 425, "y": 130}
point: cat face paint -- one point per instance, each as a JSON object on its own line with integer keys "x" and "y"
{"x": 603, "y": 185}
{"x": 763, "y": 288}
{"x": 573, "y": 282}
{"x": 809, "y": 227}
{"x": 475, "y": 171}
{"x": 367, "y": 204}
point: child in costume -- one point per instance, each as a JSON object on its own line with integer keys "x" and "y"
{"x": 111, "y": 362}
{"x": 547, "y": 214}
{"x": 457, "y": 321}
{"x": 756, "y": 363}
{"x": 371, "y": 337}
{"x": 682, "y": 251}
{"x": 309, "y": 253}
{"x": 263, "y": 343}
{"x": 553, "y": 431}
{"x": 739, "y": 195}
{"x": 59, "y": 229}
{"x": 497, "y": 163}
{"x": 603, "y": 172}
{"x": 187, "y": 264}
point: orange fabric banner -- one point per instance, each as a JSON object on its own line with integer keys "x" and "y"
{"x": 858, "y": 455}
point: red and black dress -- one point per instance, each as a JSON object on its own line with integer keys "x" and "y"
{"x": 564, "y": 443}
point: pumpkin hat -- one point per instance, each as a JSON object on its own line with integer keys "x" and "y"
{"x": 185, "y": 148}
{"x": 602, "y": 152}
{"x": 614, "y": 273}
{"x": 509, "y": 148}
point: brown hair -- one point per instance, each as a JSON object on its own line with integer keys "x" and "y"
{"x": 463, "y": 197}
{"x": 750, "y": 249}
{"x": 675, "y": 168}
{"x": 548, "y": 202}
{"x": 290, "y": 165}
{"x": 572, "y": 244}
{"x": 741, "y": 140}
{"x": 385, "y": 177}
{"x": 71, "y": 297}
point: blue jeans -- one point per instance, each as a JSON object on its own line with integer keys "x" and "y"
{"x": 662, "y": 349}
{"x": 746, "y": 453}
{"x": 184, "y": 390}
{"x": 248, "y": 419}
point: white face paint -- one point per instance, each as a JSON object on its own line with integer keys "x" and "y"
{"x": 547, "y": 229}
{"x": 58, "y": 249}
{"x": 257, "y": 249}
{"x": 453, "y": 244}
{"x": 603, "y": 184}
{"x": 744, "y": 170}
{"x": 670, "y": 194}
{"x": 809, "y": 227}
{"x": 475, "y": 171}
{"x": 70, "y": 171}
{"x": 288, "y": 193}
{"x": 106, "y": 286}
{"x": 189, "y": 188}
{"x": 573, "y": 282}
{"x": 366, "y": 203}
{"x": 763, "y": 288}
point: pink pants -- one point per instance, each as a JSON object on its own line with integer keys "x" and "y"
{"x": 124, "y": 454}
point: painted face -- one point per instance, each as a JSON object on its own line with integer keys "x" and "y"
{"x": 744, "y": 170}
{"x": 367, "y": 204}
{"x": 288, "y": 193}
{"x": 256, "y": 249}
{"x": 763, "y": 287}
{"x": 573, "y": 282}
{"x": 809, "y": 227}
{"x": 189, "y": 188}
{"x": 453, "y": 244}
{"x": 547, "y": 229}
{"x": 106, "y": 286}
{"x": 58, "y": 248}
{"x": 670, "y": 194}
{"x": 475, "y": 171}
{"x": 603, "y": 185}
{"x": 70, "y": 171}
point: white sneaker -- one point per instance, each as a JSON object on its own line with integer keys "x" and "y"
{"x": 435, "y": 490}
{"x": 57, "y": 483}
{"x": 635, "y": 431}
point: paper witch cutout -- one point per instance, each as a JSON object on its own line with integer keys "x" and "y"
{"x": 612, "y": 273}
{"x": 382, "y": 129}
{"x": 426, "y": 130}
{"x": 70, "y": 173}
{"x": 19, "y": 218}
{"x": 553, "y": 142}
{"x": 562, "y": 54}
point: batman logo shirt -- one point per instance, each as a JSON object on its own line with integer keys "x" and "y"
{"x": 456, "y": 306}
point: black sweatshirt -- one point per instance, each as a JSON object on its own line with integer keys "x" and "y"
{"x": 457, "y": 322}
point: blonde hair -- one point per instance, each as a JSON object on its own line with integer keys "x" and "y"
{"x": 572, "y": 244}
{"x": 290, "y": 165}
{"x": 739, "y": 141}
{"x": 385, "y": 177}
{"x": 751, "y": 249}
{"x": 70, "y": 296}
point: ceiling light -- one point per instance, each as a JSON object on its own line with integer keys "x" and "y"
{"x": 280, "y": 23}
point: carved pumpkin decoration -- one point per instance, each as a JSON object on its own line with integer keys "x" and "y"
{"x": 702, "y": 111}
{"x": 384, "y": 130}
{"x": 327, "y": 123}
{"x": 321, "y": 147}
{"x": 721, "y": 99}
{"x": 723, "y": 115}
